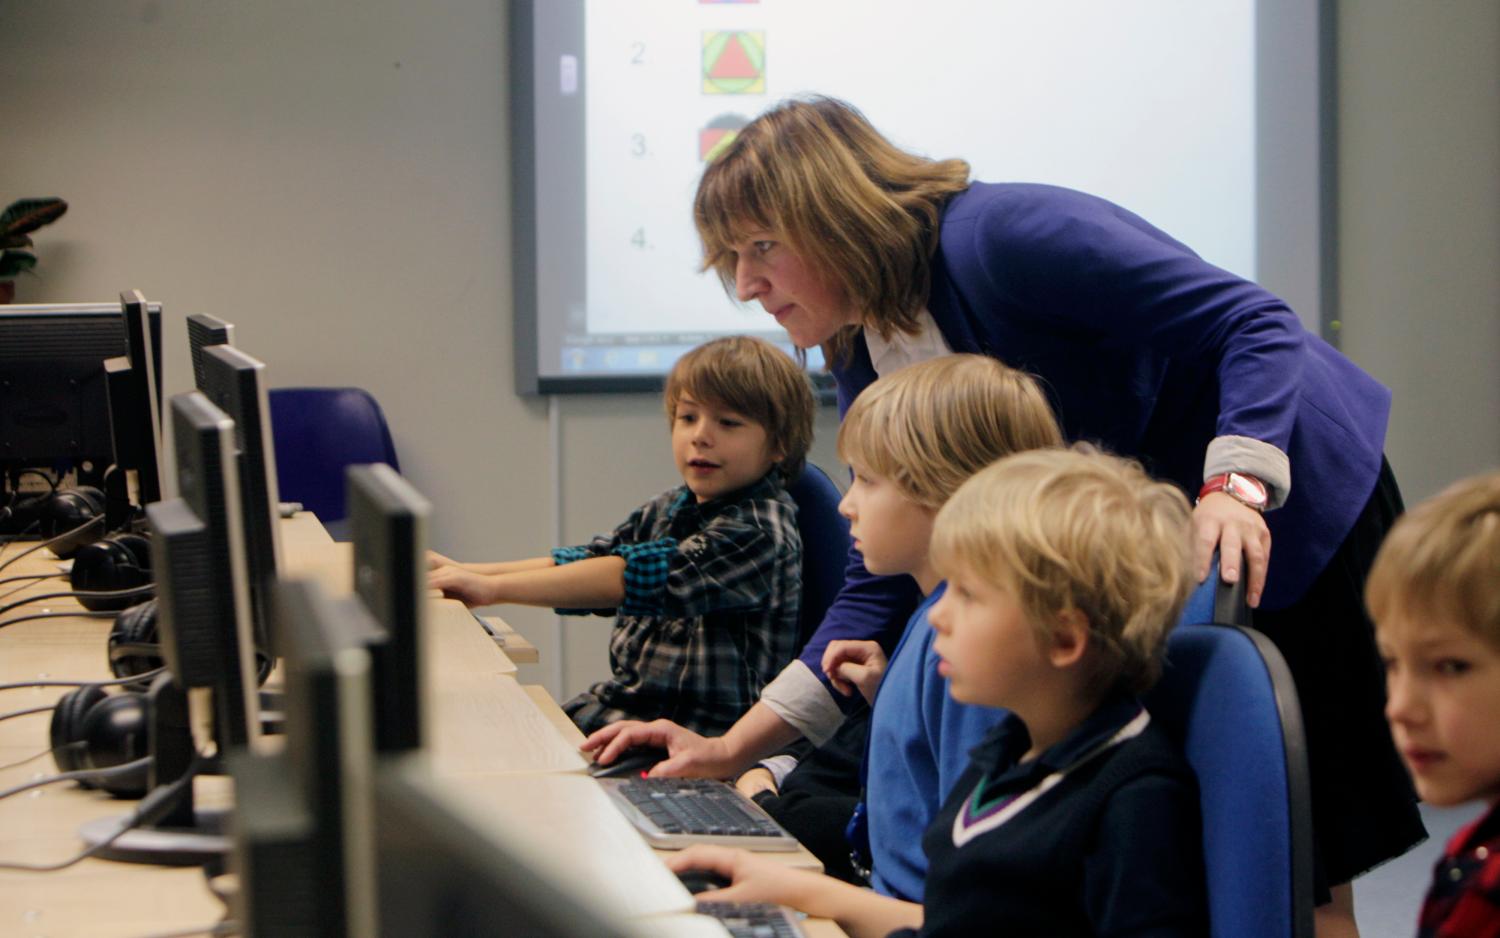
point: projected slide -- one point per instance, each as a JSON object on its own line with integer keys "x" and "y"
{"x": 1150, "y": 104}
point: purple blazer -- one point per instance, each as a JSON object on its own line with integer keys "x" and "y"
{"x": 1148, "y": 350}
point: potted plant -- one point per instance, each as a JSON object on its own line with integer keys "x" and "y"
{"x": 20, "y": 218}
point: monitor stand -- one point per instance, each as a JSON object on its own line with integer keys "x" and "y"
{"x": 186, "y": 835}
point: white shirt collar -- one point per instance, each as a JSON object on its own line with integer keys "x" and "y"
{"x": 888, "y": 356}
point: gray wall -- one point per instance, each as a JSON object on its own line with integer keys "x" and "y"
{"x": 333, "y": 178}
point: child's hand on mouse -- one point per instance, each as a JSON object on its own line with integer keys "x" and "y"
{"x": 854, "y": 664}
{"x": 754, "y": 878}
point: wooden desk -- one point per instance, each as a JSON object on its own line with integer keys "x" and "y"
{"x": 95, "y": 897}
{"x": 508, "y": 751}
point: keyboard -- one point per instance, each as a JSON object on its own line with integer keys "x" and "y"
{"x": 754, "y": 919}
{"x": 677, "y": 812}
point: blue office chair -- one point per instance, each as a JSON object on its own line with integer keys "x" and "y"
{"x": 1226, "y": 697}
{"x": 825, "y": 545}
{"x": 318, "y": 432}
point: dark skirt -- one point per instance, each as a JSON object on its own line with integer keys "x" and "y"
{"x": 1363, "y": 803}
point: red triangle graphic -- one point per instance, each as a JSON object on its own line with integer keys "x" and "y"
{"x": 733, "y": 62}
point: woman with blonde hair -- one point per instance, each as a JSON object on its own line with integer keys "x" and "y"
{"x": 884, "y": 257}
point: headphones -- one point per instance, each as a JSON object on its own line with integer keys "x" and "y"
{"x": 69, "y": 510}
{"x": 134, "y": 644}
{"x": 117, "y": 562}
{"x": 93, "y": 730}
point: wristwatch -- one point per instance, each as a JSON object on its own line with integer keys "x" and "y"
{"x": 1245, "y": 489}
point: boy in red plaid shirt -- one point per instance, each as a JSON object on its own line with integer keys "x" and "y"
{"x": 1434, "y": 593}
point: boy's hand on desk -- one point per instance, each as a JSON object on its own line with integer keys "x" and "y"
{"x": 471, "y": 589}
{"x": 755, "y": 781}
{"x": 692, "y": 756}
{"x": 436, "y": 560}
{"x": 854, "y": 664}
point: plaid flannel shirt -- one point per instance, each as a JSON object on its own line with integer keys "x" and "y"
{"x": 1464, "y": 901}
{"x": 712, "y": 593}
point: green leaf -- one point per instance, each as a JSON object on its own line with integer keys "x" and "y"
{"x": 15, "y": 241}
{"x": 15, "y": 262}
{"x": 25, "y": 215}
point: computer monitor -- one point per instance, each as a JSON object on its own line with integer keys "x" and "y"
{"x": 388, "y": 524}
{"x": 142, "y": 390}
{"x": 203, "y": 332}
{"x": 235, "y": 383}
{"x": 54, "y": 410}
{"x": 445, "y": 872}
{"x": 208, "y": 481}
{"x": 304, "y": 851}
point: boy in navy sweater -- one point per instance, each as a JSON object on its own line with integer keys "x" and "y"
{"x": 1076, "y": 816}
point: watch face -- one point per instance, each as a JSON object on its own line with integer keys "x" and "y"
{"x": 1248, "y": 490}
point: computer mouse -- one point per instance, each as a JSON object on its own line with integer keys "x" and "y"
{"x": 636, "y": 761}
{"x": 698, "y": 881}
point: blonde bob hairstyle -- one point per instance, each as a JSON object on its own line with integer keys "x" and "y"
{"x": 756, "y": 380}
{"x": 1078, "y": 529}
{"x": 860, "y": 212}
{"x": 931, "y": 425}
{"x": 1442, "y": 559}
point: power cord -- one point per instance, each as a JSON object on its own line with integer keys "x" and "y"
{"x": 26, "y": 713}
{"x": 97, "y": 521}
{"x": 74, "y": 594}
{"x": 151, "y": 809}
{"x": 76, "y": 744}
{"x": 78, "y": 775}
{"x": 56, "y": 615}
{"x": 142, "y": 678}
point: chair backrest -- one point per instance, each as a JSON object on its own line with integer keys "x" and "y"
{"x": 1226, "y": 696}
{"x": 317, "y": 433}
{"x": 825, "y": 545}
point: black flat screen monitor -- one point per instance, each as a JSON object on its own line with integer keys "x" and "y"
{"x": 143, "y": 393}
{"x": 204, "y": 332}
{"x": 208, "y": 481}
{"x": 305, "y": 850}
{"x": 235, "y": 383}
{"x": 54, "y": 407}
{"x": 444, "y": 873}
{"x": 388, "y": 525}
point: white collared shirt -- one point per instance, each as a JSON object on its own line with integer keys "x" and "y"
{"x": 889, "y": 356}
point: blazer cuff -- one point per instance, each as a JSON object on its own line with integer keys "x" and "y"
{"x": 779, "y": 767}
{"x": 798, "y": 697}
{"x": 1255, "y": 457}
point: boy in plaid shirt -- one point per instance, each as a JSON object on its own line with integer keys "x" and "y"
{"x": 1434, "y": 593}
{"x": 704, "y": 580}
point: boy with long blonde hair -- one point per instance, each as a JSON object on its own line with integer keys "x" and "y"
{"x": 705, "y": 579}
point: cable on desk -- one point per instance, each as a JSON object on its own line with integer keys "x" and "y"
{"x": 73, "y": 594}
{"x": 226, "y": 927}
{"x": 151, "y": 809}
{"x": 92, "y": 522}
{"x": 33, "y": 576}
{"x": 26, "y": 713}
{"x": 80, "y": 775}
{"x": 56, "y": 615}
{"x": 143, "y": 678}
{"x": 75, "y": 744}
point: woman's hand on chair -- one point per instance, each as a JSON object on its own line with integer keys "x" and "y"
{"x": 1239, "y": 533}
